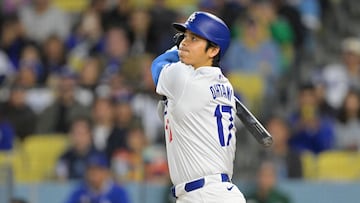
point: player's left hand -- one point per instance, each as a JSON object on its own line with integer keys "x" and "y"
{"x": 178, "y": 37}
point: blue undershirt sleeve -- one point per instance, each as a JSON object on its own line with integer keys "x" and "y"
{"x": 161, "y": 61}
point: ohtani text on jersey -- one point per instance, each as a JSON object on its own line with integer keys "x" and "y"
{"x": 220, "y": 90}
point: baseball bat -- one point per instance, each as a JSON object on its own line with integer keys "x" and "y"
{"x": 261, "y": 135}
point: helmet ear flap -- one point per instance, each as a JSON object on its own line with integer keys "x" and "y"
{"x": 178, "y": 37}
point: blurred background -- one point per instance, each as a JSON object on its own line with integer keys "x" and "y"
{"x": 78, "y": 105}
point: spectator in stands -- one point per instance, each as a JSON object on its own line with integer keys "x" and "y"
{"x": 118, "y": 15}
{"x": 7, "y": 72}
{"x": 140, "y": 161}
{"x": 27, "y": 75}
{"x": 103, "y": 121}
{"x": 116, "y": 86}
{"x": 124, "y": 119}
{"x": 86, "y": 40}
{"x": 227, "y": 10}
{"x": 41, "y": 20}
{"x": 292, "y": 14}
{"x": 88, "y": 80}
{"x": 310, "y": 12}
{"x": 18, "y": 113}
{"x": 253, "y": 43}
{"x": 7, "y": 135}
{"x": 156, "y": 167}
{"x": 279, "y": 30}
{"x": 31, "y": 75}
{"x": 161, "y": 34}
{"x": 139, "y": 23}
{"x": 59, "y": 115}
{"x": 128, "y": 162}
{"x": 12, "y": 38}
{"x": 98, "y": 185}
{"x": 98, "y": 6}
{"x": 54, "y": 55}
{"x": 337, "y": 79}
{"x": 117, "y": 48}
{"x": 311, "y": 131}
{"x": 72, "y": 163}
{"x": 144, "y": 102}
{"x": 287, "y": 162}
{"x": 89, "y": 75}
{"x": 11, "y": 7}
{"x": 324, "y": 107}
{"x": 282, "y": 33}
{"x": 132, "y": 70}
{"x": 347, "y": 127}
{"x": 266, "y": 190}
{"x": 260, "y": 59}
{"x": 31, "y": 72}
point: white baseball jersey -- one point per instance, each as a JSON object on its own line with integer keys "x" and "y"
{"x": 199, "y": 121}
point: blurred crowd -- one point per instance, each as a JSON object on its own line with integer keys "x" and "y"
{"x": 86, "y": 74}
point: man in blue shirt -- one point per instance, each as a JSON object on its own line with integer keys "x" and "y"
{"x": 98, "y": 186}
{"x": 7, "y": 135}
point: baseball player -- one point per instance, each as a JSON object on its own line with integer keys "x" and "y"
{"x": 199, "y": 112}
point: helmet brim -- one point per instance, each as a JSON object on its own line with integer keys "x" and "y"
{"x": 181, "y": 27}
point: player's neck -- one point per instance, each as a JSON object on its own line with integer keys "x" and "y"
{"x": 207, "y": 64}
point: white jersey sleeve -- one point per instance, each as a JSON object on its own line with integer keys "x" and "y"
{"x": 172, "y": 79}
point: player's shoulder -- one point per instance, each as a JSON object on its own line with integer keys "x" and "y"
{"x": 208, "y": 70}
{"x": 178, "y": 67}
{"x": 180, "y": 64}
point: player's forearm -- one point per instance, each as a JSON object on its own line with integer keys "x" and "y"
{"x": 159, "y": 63}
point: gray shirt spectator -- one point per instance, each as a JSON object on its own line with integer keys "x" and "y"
{"x": 41, "y": 20}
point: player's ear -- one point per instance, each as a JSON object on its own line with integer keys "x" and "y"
{"x": 213, "y": 51}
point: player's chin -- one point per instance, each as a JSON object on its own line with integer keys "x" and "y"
{"x": 184, "y": 60}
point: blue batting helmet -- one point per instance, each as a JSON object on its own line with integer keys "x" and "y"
{"x": 208, "y": 26}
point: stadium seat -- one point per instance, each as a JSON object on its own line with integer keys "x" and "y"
{"x": 251, "y": 87}
{"x": 17, "y": 161}
{"x": 4, "y": 158}
{"x": 309, "y": 165}
{"x": 338, "y": 166}
{"x": 71, "y": 5}
{"x": 40, "y": 153}
{"x": 173, "y": 4}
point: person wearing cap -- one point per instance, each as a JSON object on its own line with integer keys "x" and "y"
{"x": 336, "y": 79}
{"x": 98, "y": 185}
{"x": 199, "y": 111}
